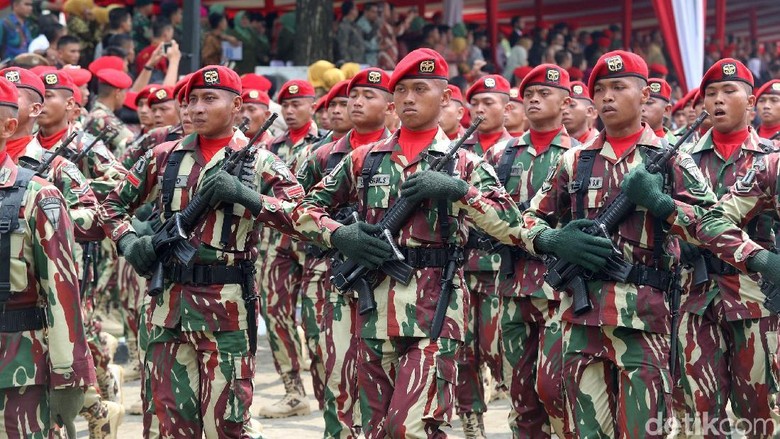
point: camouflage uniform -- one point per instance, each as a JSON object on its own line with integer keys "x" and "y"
{"x": 147, "y": 141}
{"x": 102, "y": 117}
{"x": 42, "y": 339}
{"x": 200, "y": 365}
{"x": 395, "y": 351}
{"x": 531, "y": 326}
{"x": 727, "y": 338}
{"x": 616, "y": 356}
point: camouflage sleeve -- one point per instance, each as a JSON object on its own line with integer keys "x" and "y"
{"x": 308, "y": 172}
{"x": 133, "y": 152}
{"x": 103, "y": 170}
{"x": 551, "y": 203}
{"x": 80, "y": 200}
{"x": 279, "y": 191}
{"x": 692, "y": 195}
{"x": 119, "y": 143}
{"x": 52, "y": 243}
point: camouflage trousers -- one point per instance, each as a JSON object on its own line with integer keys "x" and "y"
{"x": 724, "y": 361}
{"x": 312, "y": 303}
{"x": 424, "y": 373}
{"x": 24, "y": 413}
{"x": 617, "y": 381}
{"x": 339, "y": 349}
{"x": 482, "y": 344}
{"x": 151, "y": 426}
{"x": 201, "y": 382}
{"x": 533, "y": 355}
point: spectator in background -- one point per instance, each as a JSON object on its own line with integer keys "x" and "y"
{"x": 81, "y": 24}
{"x": 51, "y": 30}
{"x": 211, "y": 53}
{"x": 563, "y": 59}
{"x": 369, "y": 24}
{"x": 476, "y": 41}
{"x": 349, "y": 39}
{"x": 171, "y": 11}
{"x": 259, "y": 31}
{"x": 68, "y": 51}
{"x": 162, "y": 33}
{"x": 430, "y": 36}
{"x": 15, "y": 31}
{"x": 142, "y": 24}
{"x": 518, "y": 56}
{"x": 517, "y": 30}
{"x": 390, "y": 31}
{"x": 123, "y": 46}
{"x": 285, "y": 41}
{"x": 247, "y": 34}
{"x": 119, "y": 22}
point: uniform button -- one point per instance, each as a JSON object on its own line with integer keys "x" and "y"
{"x": 738, "y": 255}
{"x": 66, "y": 375}
{"x": 686, "y": 219}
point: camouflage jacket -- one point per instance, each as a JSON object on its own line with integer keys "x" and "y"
{"x": 43, "y": 274}
{"x": 739, "y": 293}
{"x": 203, "y": 307}
{"x": 526, "y": 177}
{"x": 148, "y": 141}
{"x": 480, "y": 260}
{"x": 101, "y": 117}
{"x": 406, "y": 311}
{"x": 616, "y": 304}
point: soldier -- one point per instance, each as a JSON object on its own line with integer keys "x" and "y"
{"x": 165, "y": 110}
{"x": 201, "y": 321}
{"x": 280, "y": 272}
{"x": 368, "y": 104}
{"x": 112, "y": 86}
{"x": 452, "y": 114}
{"x": 41, "y": 328}
{"x": 658, "y": 108}
{"x": 697, "y": 107}
{"x": 686, "y": 109}
{"x": 768, "y": 106}
{"x": 145, "y": 117}
{"x": 727, "y": 337}
{"x": 679, "y": 117}
{"x": 615, "y": 356}
{"x": 580, "y": 116}
{"x": 406, "y": 379}
{"x": 255, "y": 108}
{"x": 515, "y": 122}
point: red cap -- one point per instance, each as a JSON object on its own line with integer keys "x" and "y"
{"x": 521, "y": 72}
{"x": 580, "y": 91}
{"x": 106, "y": 62}
{"x": 575, "y": 74}
{"x": 23, "y": 78}
{"x": 130, "y": 99}
{"x": 697, "y": 98}
{"x": 252, "y": 96}
{"x": 144, "y": 93}
{"x": 488, "y": 84}
{"x": 178, "y": 89}
{"x": 255, "y": 81}
{"x": 296, "y": 88}
{"x": 514, "y": 95}
{"x": 546, "y": 74}
{"x": 457, "y": 96}
{"x": 57, "y": 81}
{"x": 114, "y": 78}
{"x": 319, "y": 105}
{"x": 161, "y": 95}
{"x": 77, "y": 96}
{"x": 772, "y": 87}
{"x": 726, "y": 69}
{"x": 78, "y": 75}
{"x": 214, "y": 76}
{"x": 617, "y": 64}
{"x": 337, "y": 91}
{"x": 372, "y": 77}
{"x": 420, "y": 63}
{"x": 39, "y": 70}
{"x": 9, "y": 95}
{"x": 660, "y": 89}
{"x": 659, "y": 69}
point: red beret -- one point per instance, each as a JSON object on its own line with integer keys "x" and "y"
{"x": 253, "y": 96}
{"x": 296, "y": 88}
{"x": 420, "y": 63}
{"x": 178, "y": 89}
{"x": 521, "y": 72}
{"x": 9, "y": 95}
{"x": 488, "y": 84}
{"x": 214, "y": 76}
{"x": 726, "y": 69}
{"x": 546, "y": 74}
{"x": 78, "y": 75}
{"x": 697, "y": 98}
{"x": 38, "y": 70}
{"x": 23, "y": 78}
{"x": 130, "y": 100}
{"x": 77, "y": 96}
{"x": 575, "y": 74}
{"x": 688, "y": 98}
{"x": 106, "y": 62}
{"x": 337, "y": 91}
{"x": 161, "y": 95}
{"x": 660, "y": 89}
{"x": 144, "y": 93}
{"x": 371, "y": 77}
{"x": 255, "y": 81}
{"x": 514, "y": 95}
{"x": 772, "y": 87}
{"x": 580, "y": 91}
{"x": 57, "y": 81}
{"x": 114, "y": 78}
{"x": 604, "y": 42}
{"x": 658, "y": 68}
{"x": 320, "y": 104}
{"x": 678, "y": 106}
{"x": 617, "y": 64}
{"x": 456, "y": 96}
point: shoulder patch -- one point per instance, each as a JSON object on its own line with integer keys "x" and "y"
{"x": 52, "y": 206}
{"x": 281, "y": 169}
{"x": 74, "y": 174}
{"x": 294, "y": 192}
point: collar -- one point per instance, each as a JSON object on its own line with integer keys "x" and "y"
{"x": 8, "y": 171}
{"x": 705, "y": 142}
{"x": 561, "y": 140}
{"x": 647, "y": 139}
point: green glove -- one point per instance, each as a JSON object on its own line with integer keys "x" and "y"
{"x": 432, "y": 185}
{"x": 357, "y": 241}
{"x": 689, "y": 252}
{"x": 575, "y": 246}
{"x": 226, "y": 188}
{"x": 65, "y": 405}
{"x": 766, "y": 263}
{"x": 142, "y": 228}
{"x": 646, "y": 189}
{"x": 139, "y": 252}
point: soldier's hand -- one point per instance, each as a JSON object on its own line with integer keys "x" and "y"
{"x": 434, "y": 186}
{"x": 573, "y": 245}
{"x": 64, "y": 406}
{"x": 357, "y": 241}
{"x": 226, "y": 188}
{"x": 646, "y": 189}
{"x": 139, "y": 252}
{"x": 766, "y": 263}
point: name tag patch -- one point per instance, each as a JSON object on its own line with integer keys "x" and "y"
{"x": 376, "y": 180}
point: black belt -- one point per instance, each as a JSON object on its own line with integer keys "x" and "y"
{"x": 315, "y": 251}
{"x": 23, "y": 319}
{"x": 716, "y": 266}
{"x": 205, "y": 274}
{"x": 421, "y": 257}
{"x": 475, "y": 241}
{"x": 644, "y": 275}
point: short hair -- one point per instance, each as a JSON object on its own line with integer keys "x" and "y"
{"x": 370, "y": 5}
{"x": 115, "y": 51}
{"x": 215, "y": 20}
{"x": 116, "y": 17}
{"x": 32, "y": 96}
{"x": 167, "y": 9}
{"x": 51, "y": 31}
{"x": 104, "y": 90}
{"x": 428, "y": 29}
{"x": 119, "y": 40}
{"x": 16, "y": 2}
{"x": 159, "y": 26}
{"x": 561, "y": 56}
{"x": 7, "y": 112}
{"x": 67, "y": 39}
{"x": 347, "y": 7}
{"x": 255, "y": 16}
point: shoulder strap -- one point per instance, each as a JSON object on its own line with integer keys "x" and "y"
{"x": 370, "y": 167}
{"x": 696, "y": 156}
{"x": 580, "y": 185}
{"x": 333, "y": 160}
{"x": 507, "y": 159}
{"x": 169, "y": 179}
{"x": 11, "y": 203}
{"x": 443, "y": 210}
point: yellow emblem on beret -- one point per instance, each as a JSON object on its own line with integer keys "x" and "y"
{"x": 490, "y": 82}
{"x": 211, "y": 77}
{"x": 729, "y": 69}
{"x": 776, "y": 86}
{"x": 12, "y": 75}
{"x": 427, "y": 66}
{"x": 374, "y": 77}
{"x": 513, "y": 92}
{"x": 161, "y": 93}
{"x": 50, "y": 79}
{"x": 577, "y": 89}
{"x": 293, "y": 89}
{"x": 655, "y": 87}
{"x": 253, "y": 94}
{"x": 553, "y": 75}
{"x": 614, "y": 63}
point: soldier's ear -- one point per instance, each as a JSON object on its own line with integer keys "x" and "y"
{"x": 446, "y": 97}
{"x": 35, "y": 109}
{"x": 70, "y": 103}
{"x": 237, "y": 103}
{"x": 390, "y": 108}
{"x": 751, "y": 100}
{"x": 9, "y": 127}
{"x": 645, "y": 94}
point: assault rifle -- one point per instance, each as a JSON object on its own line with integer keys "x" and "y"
{"x": 107, "y": 135}
{"x": 244, "y": 125}
{"x": 352, "y": 275}
{"x": 562, "y": 275}
{"x": 43, "y": 168}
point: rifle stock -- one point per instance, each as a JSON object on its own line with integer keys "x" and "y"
{"x": 46, "y": 164}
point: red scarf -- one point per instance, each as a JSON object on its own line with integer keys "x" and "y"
{"x": 17, "y": 147}
{"x": 48, "y": 141}
{"x": 297, "y": 134}
{"x": 767, "y": 131}
{"x": 621, "y": 144}
{"x": 517, "y": 134}
{"x": 728, "y": 143}
{"x": 209, "y": 147}
{"x": 541, "y": 140}
{"x": 454, "y": 134}
{"x": 414, "y": 142}
{"x": 584, "y": 137}
{"x": 486, "y": 140}
{"x": 3, "y": 155}
{"x": 660, "y": 132}
{"x": 356, "y": 139}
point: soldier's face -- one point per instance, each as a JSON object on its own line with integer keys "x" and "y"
{"x": 297, "y": 112}
{"x": 544, "y": 105}
{"x": 451, "y": 116}
{"x": 257, "y": 114}
{"x": 680, "y": 119}
{"x": 619, "y": 101}
{"x": 576, "y": 115}
{"x": 322, "y": 119}
{"x": 145, "y": 114}
{"x": 653, "y": 112}
{"x": 368, "y": 107}
{"x": 690, "y": 113}
{"x": 165, "y": 114}
{"x": 491, "y": 106}
{"x": 728, "y": 103}
{"x": 768, "y": 108}
{"x": 418, "y": 102}
{"x": 56, "y": 107}
{"x": 186, "y": 122}
{"x": 213, "y": 111}
{"x": 515, "y": 117}
{"x": 337, "y": 115}
{"x": 70, "y": 53}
